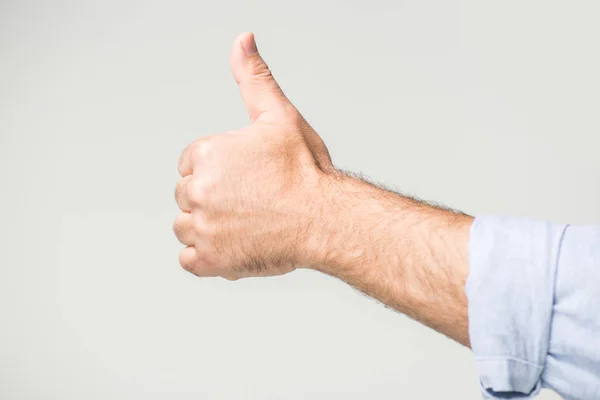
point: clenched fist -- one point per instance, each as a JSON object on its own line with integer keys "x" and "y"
{"x": 248, "y": 197}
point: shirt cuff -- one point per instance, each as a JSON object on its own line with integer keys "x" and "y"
{"x": 510, "y": 288}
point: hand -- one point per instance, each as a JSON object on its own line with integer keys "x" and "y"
{"x": 248, "y": 197}
{"x": 267, "y": 199}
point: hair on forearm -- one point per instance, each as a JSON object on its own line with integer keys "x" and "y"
{"x": 396, "y": 191}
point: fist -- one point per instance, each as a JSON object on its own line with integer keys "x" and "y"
{"x": 249, "y": 197}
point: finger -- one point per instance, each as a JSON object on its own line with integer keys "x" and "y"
{"x": 182, "y": 194}
{"x": 259, "y": 90}
{"x": 191, "y": 262}
{"x": 184, "y": 165}
{"x": 187, "y": 258}
{"x": 184, "y": 229}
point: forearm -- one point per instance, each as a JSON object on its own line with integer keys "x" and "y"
{"x": 409, "y": 255}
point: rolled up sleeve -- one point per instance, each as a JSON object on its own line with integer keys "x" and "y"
{"x": 510, "y": 289}
{"x": 534, "y": 307}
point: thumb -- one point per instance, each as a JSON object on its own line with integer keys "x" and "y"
{"x": 259, "y": 90}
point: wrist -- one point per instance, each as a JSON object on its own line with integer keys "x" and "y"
{"x": 352, "y": 220}
{"x": 356, "y": 225}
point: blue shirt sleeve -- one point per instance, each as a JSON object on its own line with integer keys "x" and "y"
{"x": 534, "y": 307}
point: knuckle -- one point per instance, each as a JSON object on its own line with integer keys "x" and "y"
{"x": 197, "y": 191}
{"x": 293, "y": 117}
{"x": 260, "y": 69}
{"x": 198, "y": 230}
{"x": 206, "y": 238}
{"x": 200, "y": 225}
{"x": 202, "y": 149}
{"x": 196, "y": 152}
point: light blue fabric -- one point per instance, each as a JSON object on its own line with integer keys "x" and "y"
{"x": 534, "y": 307}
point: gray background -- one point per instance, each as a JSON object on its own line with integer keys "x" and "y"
{"x": 490, "y": 107}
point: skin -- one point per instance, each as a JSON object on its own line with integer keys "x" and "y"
{"x": 266, "y": 199}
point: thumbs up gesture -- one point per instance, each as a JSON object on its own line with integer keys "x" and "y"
{"x": 249, "y": 198}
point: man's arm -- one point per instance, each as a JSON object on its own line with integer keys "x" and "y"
{"x": 409, "y": 255}
{"x": 267, "y": 199}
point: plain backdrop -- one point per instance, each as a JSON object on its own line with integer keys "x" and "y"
{"x": 489, "y": 107}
